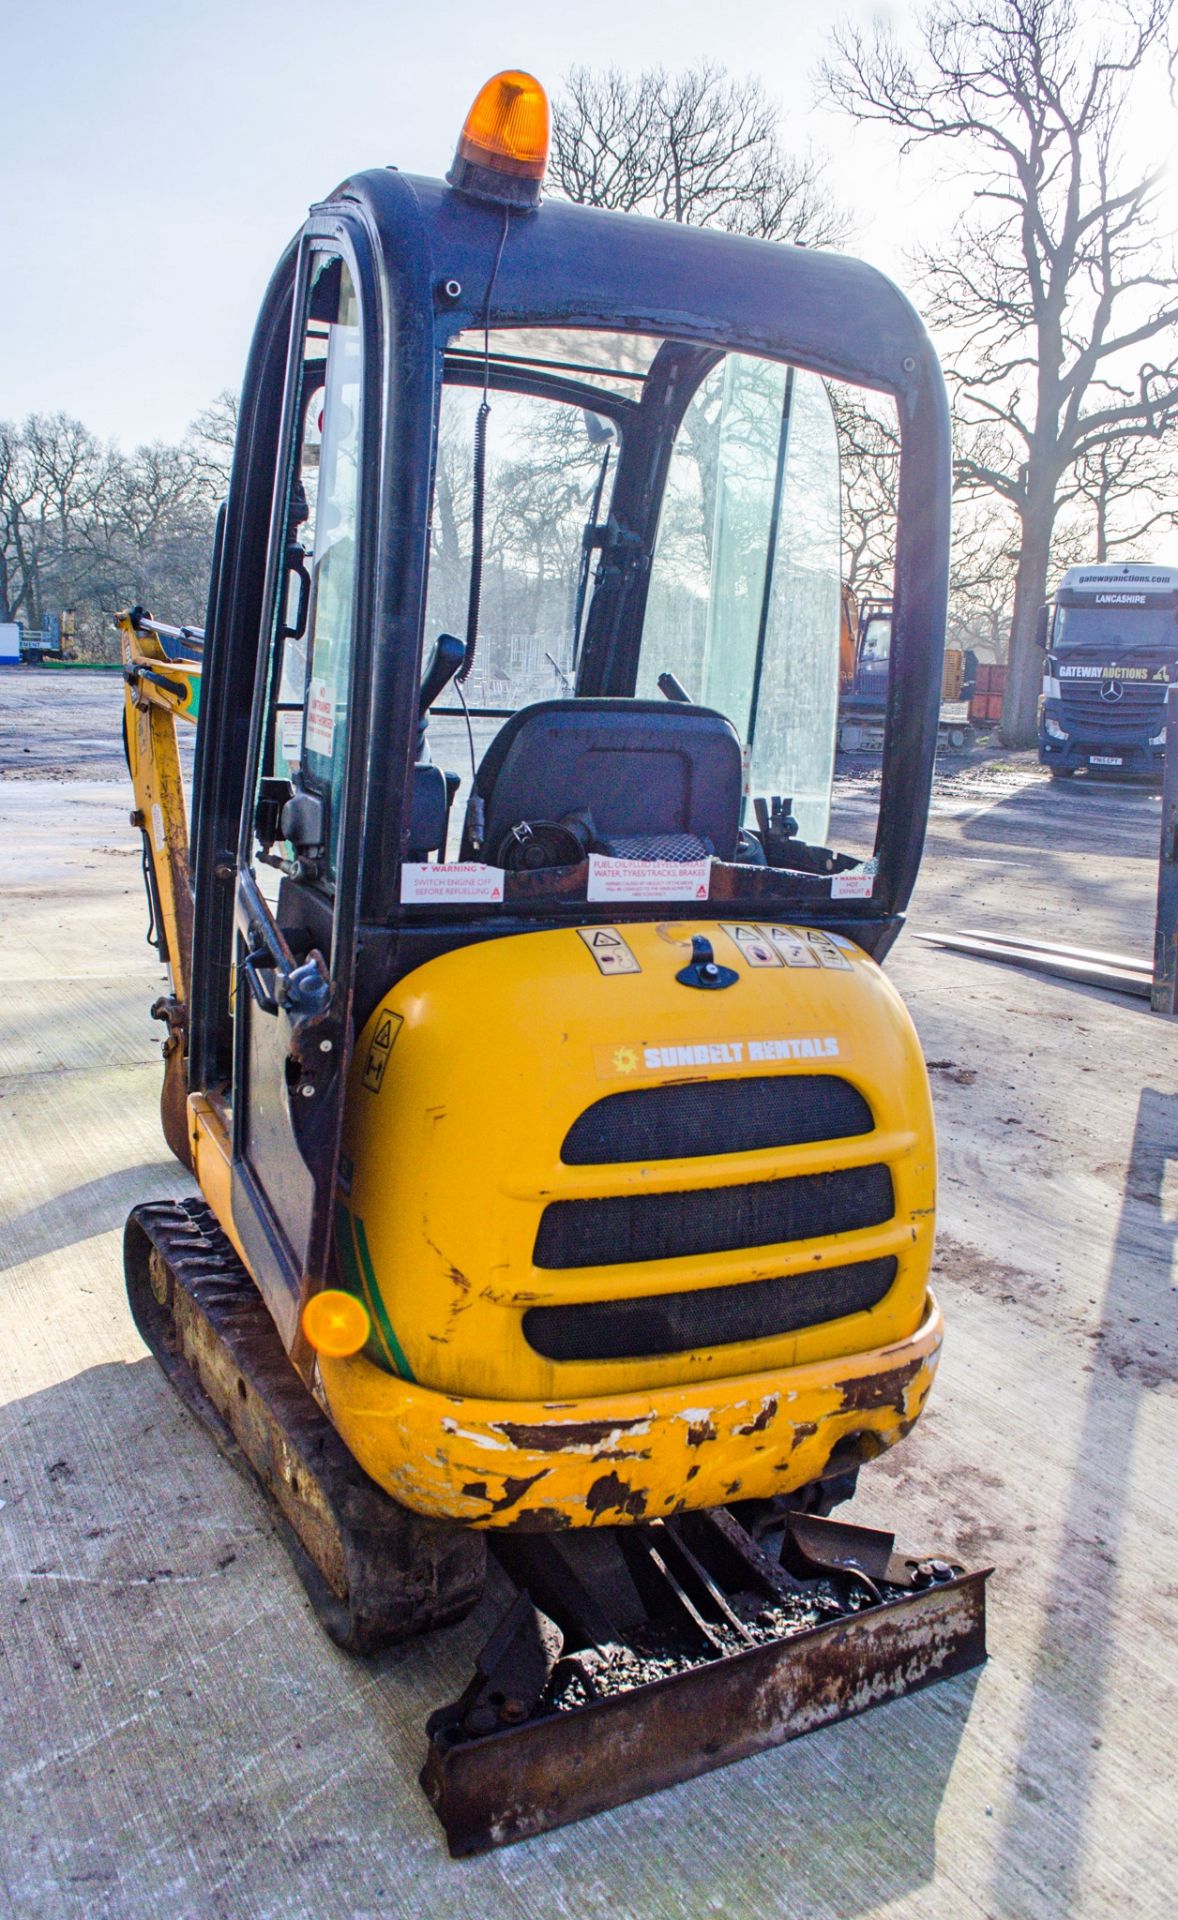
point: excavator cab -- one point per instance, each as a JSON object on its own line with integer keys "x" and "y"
{"x": 532, "y": 1052}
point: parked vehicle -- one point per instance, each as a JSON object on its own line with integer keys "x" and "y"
{"x": 1111, "y": 641}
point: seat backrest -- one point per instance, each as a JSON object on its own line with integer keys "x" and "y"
{"x": 636, "y": 766}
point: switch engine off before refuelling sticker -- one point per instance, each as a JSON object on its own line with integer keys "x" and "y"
{"x": 609, "y": 950}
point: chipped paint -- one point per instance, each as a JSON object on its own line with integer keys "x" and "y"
{"x": 611, "y": 1494}
{"x": 482, "y": 1438}
{"x": 631, "y": 1454}
{"x": 762, "y": 1419}
{"x": 574, "y": 1436}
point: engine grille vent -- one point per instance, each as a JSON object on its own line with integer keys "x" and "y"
{"x": 708, "y": 1317}
{"x": 701, "y": 1118}
{"x": 667, "y": 1226}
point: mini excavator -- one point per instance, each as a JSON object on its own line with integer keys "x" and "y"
{"x": 565, "y": 1159}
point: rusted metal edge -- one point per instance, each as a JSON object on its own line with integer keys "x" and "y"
{"x": 508, "y": 1785}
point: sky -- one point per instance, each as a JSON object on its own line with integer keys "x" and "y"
{"x": 161, "y": 156}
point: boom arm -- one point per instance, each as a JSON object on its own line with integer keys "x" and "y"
{"x": 160, "y": 690}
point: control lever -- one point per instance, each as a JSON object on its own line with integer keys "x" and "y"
{"x": 448, "y": 654}
{"x": 673, "y": 689}
{"x": 777, "y": 828}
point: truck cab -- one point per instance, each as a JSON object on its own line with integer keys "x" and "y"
{"x": 1111, "y": 642}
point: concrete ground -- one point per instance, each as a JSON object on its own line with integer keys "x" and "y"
{"x": 177, "y": 1736}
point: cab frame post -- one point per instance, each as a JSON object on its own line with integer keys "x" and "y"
{"x": 1164, "y": 996}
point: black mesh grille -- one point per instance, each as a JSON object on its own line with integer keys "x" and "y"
{"x": 664, "y": 1226}
{"x": 716, "y": 1116}
{"x": 709, "y": 1317}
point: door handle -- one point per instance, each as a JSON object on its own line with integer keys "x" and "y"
{"x": 250, "y": 965}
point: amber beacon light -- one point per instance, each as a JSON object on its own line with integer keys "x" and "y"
{"x": 502, "y": 150}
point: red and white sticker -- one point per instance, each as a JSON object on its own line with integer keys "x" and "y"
{"x": 320, "y": 717}
{"x": 851, "y": 886}
{"x": 449, "y": 883}
{"x": 648, "y": 879}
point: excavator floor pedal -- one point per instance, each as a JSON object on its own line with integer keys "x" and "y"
{"x": 374, "y": 1572}
{"x": 634, "y": 1659}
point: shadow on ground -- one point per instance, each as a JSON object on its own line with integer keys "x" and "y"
{"x": 177, "y": 1729}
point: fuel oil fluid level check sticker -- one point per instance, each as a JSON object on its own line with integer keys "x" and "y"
{"x": 609, "y": 950}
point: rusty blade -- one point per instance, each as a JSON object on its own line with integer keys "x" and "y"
{"x": 508, "y": 1785}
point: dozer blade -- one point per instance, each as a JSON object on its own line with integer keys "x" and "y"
{"x": 738, "y": 1655}
{"x": 374, "y": 1572}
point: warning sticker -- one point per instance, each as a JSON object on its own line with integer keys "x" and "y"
{"x": 851, "y": 886}
{"x": 609, "y": 950}
{"x": 320, "y": 717}
{"x": 648, "y": 879}
{"x": 829, "y": 955}
{"x": 380, "y": 1046}
{"x": 290, "y": 738}
{"x": 753, "y": 946}
{"x": 449, "y": 882}
{"x": 791, "y": 946}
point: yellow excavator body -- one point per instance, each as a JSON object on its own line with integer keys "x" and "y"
{"x": 510, "y": 1241}
{"x": 566, "y": 1162}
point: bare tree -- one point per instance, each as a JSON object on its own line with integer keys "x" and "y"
{"x": 698, "y": 147}
{"x": 1129, "y": 489}
{"x": 981, "y": 578}
{"x": 869, "y": 459}
{"x": 1058, "y": 300}
{"x": 51, "y": 474}
{"x": 211, "y": 439}
{"x": 85, "y": 526}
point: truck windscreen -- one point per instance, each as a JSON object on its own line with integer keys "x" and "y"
{"x": 1116, "y": 628}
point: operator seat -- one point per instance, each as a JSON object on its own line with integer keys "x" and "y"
{"x": 642, "y": 770}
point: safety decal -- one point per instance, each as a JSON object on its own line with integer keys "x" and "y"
{"x": 320, "y": 718}
{"x": 290, "y": 738}
{"x": 829, "y": 955}
{"x": 611, "y": 879}
{"x": 754, "y": 947}
{"x": 790, "y": 945}
{"x": 379, "y": 1048}
{"x": 851, "y": 886}
{"x": 609, "y": 950}
{"x": 451, "y": 883}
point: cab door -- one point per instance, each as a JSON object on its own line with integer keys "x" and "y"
{"x": 298, "y": 850}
